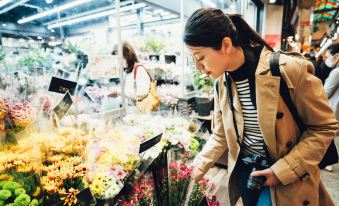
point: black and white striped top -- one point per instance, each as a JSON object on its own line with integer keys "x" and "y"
{"x": 253, "y": 142}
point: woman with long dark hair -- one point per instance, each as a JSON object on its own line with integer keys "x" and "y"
{"x": 252, "y": 122}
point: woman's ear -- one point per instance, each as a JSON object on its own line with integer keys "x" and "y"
{"x": 226, "y": 45}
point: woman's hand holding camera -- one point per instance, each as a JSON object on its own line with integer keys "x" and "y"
{"x": 271, "y": 178}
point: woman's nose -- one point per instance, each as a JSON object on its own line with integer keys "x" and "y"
{"x": 199, "y": 66}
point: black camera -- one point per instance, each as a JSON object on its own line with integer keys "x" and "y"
{"x": 256, "y": 162}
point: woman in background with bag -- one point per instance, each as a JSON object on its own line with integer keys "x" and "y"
{"x": 140, "y": 89}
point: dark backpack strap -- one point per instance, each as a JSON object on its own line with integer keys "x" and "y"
{"x": 284, "y": 92}
{"x": 217, "y": 87}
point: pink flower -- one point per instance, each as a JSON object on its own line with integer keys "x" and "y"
{"x": 173, "y": 165}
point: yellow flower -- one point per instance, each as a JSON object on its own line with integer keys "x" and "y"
{"x": 4, "y": 177}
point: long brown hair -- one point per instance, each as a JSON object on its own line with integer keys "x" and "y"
{"x": 129, "y": 55}
{"x": 208, "y": 26}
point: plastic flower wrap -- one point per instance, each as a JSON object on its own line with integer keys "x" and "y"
{"x": 62, "y": 179}
{"x": 142, "y": 192}
{"x": 15, "y": 118}
{"x": 200, "y": 190}
{"x": 63, "y": 169}
{"x": 179, "y": 173}
{"x": 111, "y": 156}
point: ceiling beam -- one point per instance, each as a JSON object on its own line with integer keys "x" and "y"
{"x": 174, "y": 6}
{"x": 25, "y": 30}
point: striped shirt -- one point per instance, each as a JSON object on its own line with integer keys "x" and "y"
{"x": 253, "y": 142}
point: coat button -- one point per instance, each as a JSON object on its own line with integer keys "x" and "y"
{"x": 306, "y": 202}
{"x": 289, "y": 144}
{"x": 280, "y": 115}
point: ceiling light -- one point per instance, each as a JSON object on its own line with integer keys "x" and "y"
{"x": 94, "y": 16}
{"x": 12, "y": 6}
{"x": 272, "y": 1}
{"x": 4, "y": 2}
{"x": 53, "y": 11}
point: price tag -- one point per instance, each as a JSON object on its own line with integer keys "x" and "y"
{"x": 150, "y": 143}
{"x": 63, "y": 107}
{"x": 59, "y": 85}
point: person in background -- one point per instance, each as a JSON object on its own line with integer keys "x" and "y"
{"x": 138, "y": 87}
{"x": 332, "y": 83}
{"x": 252, "y": 123}
{"x": 326, "y": 65}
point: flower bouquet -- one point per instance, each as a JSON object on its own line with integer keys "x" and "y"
{"x": 111, "y": 157}
{"x": 200, "y": 191}
{"x": 142, "y": 193}
{"x": 63, "y": 170}
{"x": 179, "y": 173}
{"x": 14, "y": 118}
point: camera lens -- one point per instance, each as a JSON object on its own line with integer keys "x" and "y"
{"x": 255, "y": 183}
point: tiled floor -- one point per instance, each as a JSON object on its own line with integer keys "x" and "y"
{"x": 330, "y": 179}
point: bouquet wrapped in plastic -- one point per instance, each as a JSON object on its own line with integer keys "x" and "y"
{"x": 111, "y": 157}
{"x": 14, "y": 118}
{"x": 63, "y": 169}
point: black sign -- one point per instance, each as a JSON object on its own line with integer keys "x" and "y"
{"x": 85, "y": 198}
{"x": 150, "y": 143}
{"x": 65, "y": 104}
{"x": 62, "y": 86}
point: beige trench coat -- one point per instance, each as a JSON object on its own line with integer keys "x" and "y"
{"x": 296, "y": 163}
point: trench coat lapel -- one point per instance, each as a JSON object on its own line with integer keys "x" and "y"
{"x": 267, "y": 95}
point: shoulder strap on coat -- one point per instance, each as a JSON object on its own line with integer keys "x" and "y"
{"x": 284, "y": 92}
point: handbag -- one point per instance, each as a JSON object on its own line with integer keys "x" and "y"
{"x": 331, "y": 155}
{"x": 151, "y": 101}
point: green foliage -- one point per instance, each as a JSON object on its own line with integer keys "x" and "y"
{"x": 19, "y": 191}
{"x": 73, "y": 48}
{"x": 154, "y": 45}
{"x": 203, "y": 83}
{"x": 2, "y": 203}
{"x": 30, "y": 181}
{"x": 5, "y": 194}
{"x": 34, "y": 202}
{"x": 2, "y": 183}
{"x": 194, "y": 147}
{"x": 33, "y": 57}
{"x": 11, "y": 186}
{"x": 22, "y": 200}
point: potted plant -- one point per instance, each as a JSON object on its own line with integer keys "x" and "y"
{"x": 154, "y": 46}
{"x": 204, "y": 99}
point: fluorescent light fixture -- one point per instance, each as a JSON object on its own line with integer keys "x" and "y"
{"x": 4, "y": 2}
{"x": 8, "y": 8}
{"x": 53, "y": 11}
{"x": 209, "y": 3}
{"x": 95, "y": 16}
{"x": 272, "y": 1}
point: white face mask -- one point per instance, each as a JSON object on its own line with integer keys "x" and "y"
{"x": 329, "y": 62}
